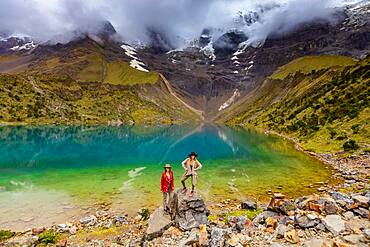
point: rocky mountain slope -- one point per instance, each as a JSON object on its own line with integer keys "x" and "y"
{"x": 85, "y": 82}
{"x": 324, "y": 102}
{"x": 213, "y": 78}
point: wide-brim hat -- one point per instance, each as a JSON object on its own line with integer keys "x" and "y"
{"x": 193, "y": 154}
{"x": 167, "y": 166}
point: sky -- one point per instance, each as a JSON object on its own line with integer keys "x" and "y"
{"x": 180, "y": 20}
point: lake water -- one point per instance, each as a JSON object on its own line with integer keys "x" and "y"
{"x": 48, "y": 174}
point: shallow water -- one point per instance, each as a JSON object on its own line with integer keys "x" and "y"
{"x": 47, "y": 174}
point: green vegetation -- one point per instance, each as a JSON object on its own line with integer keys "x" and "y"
{"x": 47, "y": 237}
{"x": 327, "y": 110}
{"x": 46, "y": 99}
{"x": 350, "y": 145}
{"x": 144, "y": 213}
{"x": 5, "y": 234}
{"x": 94, "y": 70}
{"x": 121, "y": 73}
{"x": 311, "y": 64}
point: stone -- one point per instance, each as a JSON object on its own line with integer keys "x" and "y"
{"x": 234, "y": 239}
{"x": 158, "y": 222}
{"x": 38, "y": 230}
{"x": 353, "y": 238}
{"x": 275, "y": 245}
{"x": 340, "y": 196}
{"x": 362, "y": 201}
{"x": 306, "y": 221}
{"x": 320, "y": 227}
{"x": 238, "y": 222}
{"x": 203, "y": 235}
{"x": 367, "y": 233}
{"x": 260, "y": 218}
{"x": 73, "y": 230}
{"x": 281, "y": 205}
{"x": 363, "y": 212}
{"x": 291, "y": 236}
{"x": 348, "y": 215}
{"x": 281, "y": 229}
{"x": 101, "y": 213}
{"x": 279, "y": 196}
{"x": 315, "y": 242}
{"x": 334, "y": 224}
{"x": 218, "y": 236}
{"x": 249, "y": 205}
{"x": 88, "y": 220}
{"x": 191, "y": 239}
{"x": 62, "y": 228}
{"x": 120, "y": 220}
{"x": 314, "y": 207}
{"x": 271, "y": 222}
{"x": 62, "y": 243}
{"x": 330, "y": 207}
{"x": 191, "y": 211}
{"x": 357, "y": 224}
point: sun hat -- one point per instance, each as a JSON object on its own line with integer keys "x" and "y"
{"x": 167, "y": 166}
{"x": 193, "y": 154}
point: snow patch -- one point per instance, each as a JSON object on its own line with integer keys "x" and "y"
{"x": 135, "y": 62}
{"x": 209, "y": 51}
{"x": 238, "y": 52}
{"x": 26, "y": 46}
{"x": 138, "y": 65}
{"x": 231, "y": 100}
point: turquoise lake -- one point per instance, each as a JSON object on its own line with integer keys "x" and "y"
{"x": 51, "y": 173}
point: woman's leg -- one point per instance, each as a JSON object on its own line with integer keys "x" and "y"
{"x": 164, "y": 200}
{"x": 183, "y": 179}
{"x": 194, "y": 181}
{"x": 170, "y": 201}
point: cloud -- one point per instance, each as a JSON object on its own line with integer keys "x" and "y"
{"x": 180, "y": 20}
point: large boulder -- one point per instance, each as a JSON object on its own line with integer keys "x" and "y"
{"x": 159, "y": 221}
{"x": 191, "y": 211}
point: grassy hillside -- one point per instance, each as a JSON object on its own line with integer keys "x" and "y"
{"x": 84, "y": 82}
{"x": 120, "y": 73}
{"x": 308, "y": 64}
{"x": 327, "y": 109}
{"x": 44, "y": 99}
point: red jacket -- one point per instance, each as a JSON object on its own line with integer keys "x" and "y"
{"x": 167, "y": 183}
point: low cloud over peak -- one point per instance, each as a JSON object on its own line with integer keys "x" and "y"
{"x": 180, "y": 20}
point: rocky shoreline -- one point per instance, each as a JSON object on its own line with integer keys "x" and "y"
{"x": 337, "y": 215}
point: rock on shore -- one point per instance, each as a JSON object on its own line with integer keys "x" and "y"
{"x": 189, "y": 210}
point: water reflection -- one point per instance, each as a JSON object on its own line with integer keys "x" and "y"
{"x": 31, "y": 146}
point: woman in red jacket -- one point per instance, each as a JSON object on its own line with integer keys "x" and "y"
{"x": 167, "y": 188}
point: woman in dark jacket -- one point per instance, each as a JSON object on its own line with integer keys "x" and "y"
{"x": 167, "y": 188}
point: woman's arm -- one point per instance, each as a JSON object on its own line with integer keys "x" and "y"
{"x": 172, "y": 182}
{"x": 199, "y": 166}
{"x": 162, "y": 181}
{"x": 185, "y": 164}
